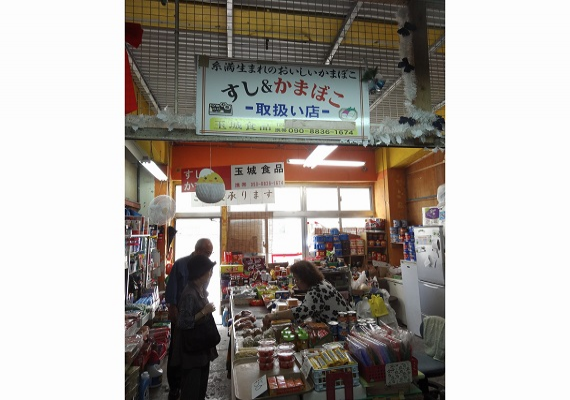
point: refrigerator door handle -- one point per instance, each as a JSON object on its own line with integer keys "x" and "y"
{"x": 431, "y": 286}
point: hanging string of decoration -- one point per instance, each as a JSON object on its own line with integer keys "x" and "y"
{"x": 164, "y": 119}
{"x": 418, "y": 123}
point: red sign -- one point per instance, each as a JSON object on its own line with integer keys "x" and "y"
{"x": 190, "y": 177}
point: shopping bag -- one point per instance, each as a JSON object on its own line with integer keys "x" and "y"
{"x": 363, "y": 309}
{"x": 203, "y": 336}
{"x": 377, "y": 306}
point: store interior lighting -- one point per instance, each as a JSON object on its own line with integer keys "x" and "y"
{"x": 153, "y": 168}
{"x": 321, "y": 152}
{"x": 317, "y": 157}
{"x": 143, "y": 158}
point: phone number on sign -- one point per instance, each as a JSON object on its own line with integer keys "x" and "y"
{"x": 332, "y": 131}
{"x": 317, "y": 131}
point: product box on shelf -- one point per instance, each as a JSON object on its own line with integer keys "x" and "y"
{"x": 161, "y": 316}
{"x": 133, "y": 346}
{"x": 377, "y": 373}
{"x": 319, "y": 333}
{"x": 280, "y": 384}
{"x": 231, "y": 268}
{"x": 432, "y": 216}
{"x": 320, "y": 376}
{"x": 251, "y": 263}
{"x": 136, "y": 225}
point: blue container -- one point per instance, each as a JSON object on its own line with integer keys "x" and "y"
{"x": 144, "y": 386}
{"x": 334, "y": 328}
{"x": 343, "y": 236}
{"x": 328, "y": 238}
{"x": 319, "y": 238}
{"x": 334, "y": 231}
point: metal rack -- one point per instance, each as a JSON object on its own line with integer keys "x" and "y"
{"x": 138, "y": 259}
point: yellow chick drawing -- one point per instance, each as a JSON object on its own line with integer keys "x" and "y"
{"x": 210, "y": 187}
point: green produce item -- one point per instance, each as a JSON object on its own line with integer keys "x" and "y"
{"x": 287, "y": 335}
{"x": 302, "y": 334}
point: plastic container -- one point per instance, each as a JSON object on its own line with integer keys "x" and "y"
{"x": 265, "y": 358}
{"x": 286, "y": 347}
{"x": 267, "y": 342}
{"x": 332, "y": 345}
{"x": 265, "y": 351}
{"x": 263, "y": 366}
{"x": 155, "y": 373}
{"x": 288, "y": 337}
{"x": 302, "y": 339}
{"x": 286, "y": 358}
{"x": 144, "y": 386}
{"x": 225, "y": 316}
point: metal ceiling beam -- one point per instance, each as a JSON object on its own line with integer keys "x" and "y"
{"x": 141, "y": 83}
{"x": 439, "y": 105}
{"x": 350, "y": 17}
{"x": 176, "y": 51}
{"x": 189, "y": 135}
{"x": 229, "y": 28}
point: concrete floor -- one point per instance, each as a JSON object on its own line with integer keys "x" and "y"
{"x": 218, "y": 384}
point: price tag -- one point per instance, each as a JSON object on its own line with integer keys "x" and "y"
{"x": 258, "y": 387}
{"x": 398, "y": 372}
{"x": 306, "y": 368}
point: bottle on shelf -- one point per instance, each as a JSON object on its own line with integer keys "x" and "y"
{"x": 144, "y": 386}
{"x": 225, "y": 316}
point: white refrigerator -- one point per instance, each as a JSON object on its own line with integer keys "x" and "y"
{"x": 430, "y": 261}
{"x": 411, "y": 296}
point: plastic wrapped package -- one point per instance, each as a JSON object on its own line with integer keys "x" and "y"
{"x": 319, "y": 333}
{"x": 363, "y": 309}
{"x": 132, "y": 346}
{"x": 359, "y": 350}
{"x": 390, "y": 318}
{"x": 361, "y": 280}
{"x": 277, "y": 326}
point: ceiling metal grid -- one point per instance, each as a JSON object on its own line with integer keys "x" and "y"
{"x": 297, "y": 32}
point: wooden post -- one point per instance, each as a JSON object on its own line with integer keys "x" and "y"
{"x": 417, "y": 13}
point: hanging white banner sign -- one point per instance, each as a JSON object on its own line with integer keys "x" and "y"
{"x": 249, "y": 98}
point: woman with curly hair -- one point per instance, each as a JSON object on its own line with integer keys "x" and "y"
{"x": 322, "y": 301}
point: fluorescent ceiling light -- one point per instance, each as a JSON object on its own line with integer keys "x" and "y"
{"x": 153, "y": 169}
{"x": 328, "y": 163}
{"x": 318, "y": 155}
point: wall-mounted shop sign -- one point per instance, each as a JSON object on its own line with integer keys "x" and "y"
{"x": 248, "y": 98}
{"x": 235, "y": 184}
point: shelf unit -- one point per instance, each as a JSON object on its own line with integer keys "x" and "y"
{"x": 228, "y": 272}
{"x": 139, "y": 262}
{"x": 378, "y": 237}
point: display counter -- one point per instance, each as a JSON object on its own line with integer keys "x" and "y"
{"x": 245, "y": 370}
{"x": 244, "y": 359}
{"x": 240, "y": 351}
